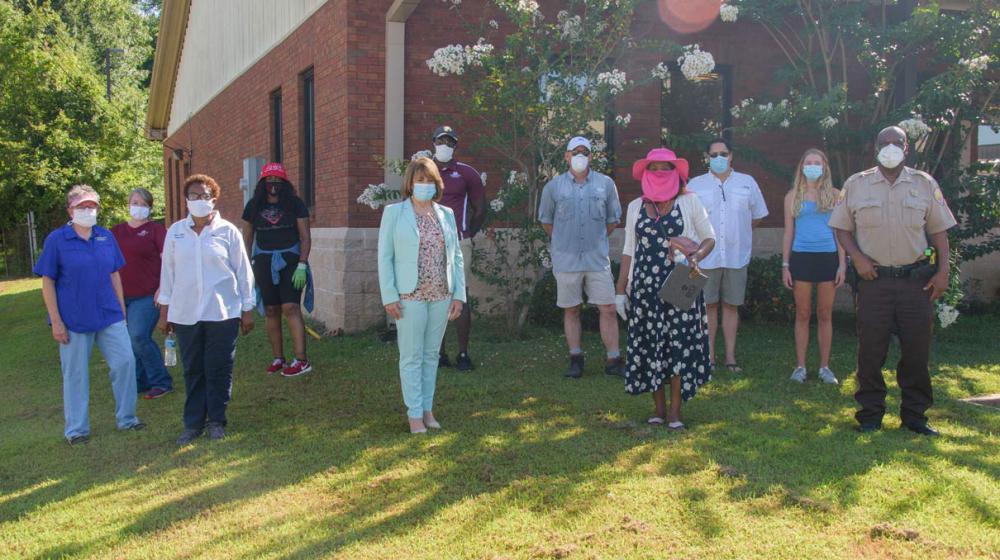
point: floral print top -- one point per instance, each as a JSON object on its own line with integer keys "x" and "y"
{"x": 432, "y": 282}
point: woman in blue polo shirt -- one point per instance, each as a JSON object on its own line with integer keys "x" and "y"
{"x": 83, "y": 294}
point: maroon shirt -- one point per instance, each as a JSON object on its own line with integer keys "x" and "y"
{"x": 461, "y": 181}
{"x": 142, "y": 247}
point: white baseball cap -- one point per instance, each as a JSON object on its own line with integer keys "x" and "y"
{"x": 578, "y": 141}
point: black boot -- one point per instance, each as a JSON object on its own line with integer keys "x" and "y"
{"x": 575, "y": 370}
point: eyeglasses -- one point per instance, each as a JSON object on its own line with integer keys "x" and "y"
{"x": 581, "y": 152}
{"x": 446, "y": 141}
{"x": 203, "y": 196}
{"x": 719, "y": 154}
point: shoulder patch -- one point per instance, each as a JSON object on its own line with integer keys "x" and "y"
{"x": 939, "y": 197}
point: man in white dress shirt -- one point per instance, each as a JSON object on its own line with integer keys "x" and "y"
{"x": 735, "y": 206}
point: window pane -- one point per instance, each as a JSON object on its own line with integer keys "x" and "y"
{"x": 308, "y": 139}
{"x": 693, "y": 112}
{"x": 277, "y": 126}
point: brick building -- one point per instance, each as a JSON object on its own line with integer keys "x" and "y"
{"x": 319, "y": 85}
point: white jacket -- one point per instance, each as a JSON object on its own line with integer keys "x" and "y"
{"x": 697, "y": 227}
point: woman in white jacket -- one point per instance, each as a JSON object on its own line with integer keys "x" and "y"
{"x": 664, "y": 343}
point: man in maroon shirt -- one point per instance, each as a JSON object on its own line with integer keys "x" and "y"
{"x": 465, "y": 194}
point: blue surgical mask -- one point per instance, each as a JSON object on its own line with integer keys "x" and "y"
{"x": 812, "y": 172}
{"x": 424, "y": 191}
{"x": 719, "y": 164}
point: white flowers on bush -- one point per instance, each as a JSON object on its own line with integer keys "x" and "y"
{"x": 571, "y": 26}
{"x": 496, "y": 205}
{"x": 420, "y": 154}
{"x": 914, "y": 127}
{"x": 828, "y": 122}
{"x": 737, "y": 110}
{"x": 615, "y": 80}
{"x": 376, "y": 196}
{"x": 529, "y": 6}
{"x": 976, "y": 64}
{"x": 946, "y": 315}
{"x": 661, "y": 71}
{"x": 454, "y": 59}
{"x": 494, "y": 24}
{"x": 623, "y": 120}
{"x": 784, "y": 123}
{"x": 482, "y": 177}
{"x": 695, "y": 62}
{"x": 728, "y": 13}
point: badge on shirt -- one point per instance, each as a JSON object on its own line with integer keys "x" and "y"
{"x": 455, "y": 174}
{"x": 101, "y": 238}
{"x": 143, "y": 233}
{"x": 939, "y": 197}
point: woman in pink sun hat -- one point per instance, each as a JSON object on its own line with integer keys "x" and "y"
{"x": 665, "y": 345}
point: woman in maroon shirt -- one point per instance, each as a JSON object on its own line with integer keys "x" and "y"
{"x": 141, "y": 241}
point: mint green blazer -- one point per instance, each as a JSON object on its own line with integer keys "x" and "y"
{"x": 399, "y": 248}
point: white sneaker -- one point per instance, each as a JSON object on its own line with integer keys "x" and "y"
{"x": 799, "y": 375}
{"x": 827, "y": 376}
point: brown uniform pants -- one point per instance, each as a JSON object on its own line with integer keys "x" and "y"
{"x": 886, "y": 306}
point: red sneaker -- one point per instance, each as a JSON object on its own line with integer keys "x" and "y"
{"x": 277, "y": 365}
{"x": 297, "y": 368}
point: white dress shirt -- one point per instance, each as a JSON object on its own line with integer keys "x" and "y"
{"x": 207, "y": 276}
{"x": 732, "y": 206}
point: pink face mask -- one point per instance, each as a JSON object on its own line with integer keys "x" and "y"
{"x": 661, "y": 186}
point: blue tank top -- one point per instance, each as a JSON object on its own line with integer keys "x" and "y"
{"x": 812, "y": 231}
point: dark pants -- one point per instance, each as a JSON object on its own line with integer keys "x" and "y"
{"x": 886, "y": 306}
{"x": 208, "y": 349}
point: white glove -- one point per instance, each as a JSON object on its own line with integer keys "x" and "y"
{"x": 620, "y": 306}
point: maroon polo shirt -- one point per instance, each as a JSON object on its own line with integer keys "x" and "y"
{"x": 142, "y": 247}
{"x": 461, "y": 182}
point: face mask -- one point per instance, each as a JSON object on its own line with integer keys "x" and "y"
{"x": 273, "y": 189}
{"x": 138, "y": 212}
{"x": 200, "y": 208}
{"x": 85, "y": 217}
{"x": 661, "y": 186}
{"x": 812, "y": 172}
{"x": 579, "y": 163}
{"x": 424, "y": 191}
{"x": 719, "y": 164}
{"x": 443, "y": 153}
{"x": 891, "y": 156}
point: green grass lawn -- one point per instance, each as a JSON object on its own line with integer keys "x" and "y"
{"x": 529, "y": 465}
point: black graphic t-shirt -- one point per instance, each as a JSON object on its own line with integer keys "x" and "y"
{"x": 274, "y": 227}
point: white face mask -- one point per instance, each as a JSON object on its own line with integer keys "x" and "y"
{"x": 85, "y": 217}
{"x": 200, "y": 208}
{"x": 579, "y": 163}
{"x": 891, "y": 156}
{"x": 443, "y": 153}
{"x": 138, "y": 212}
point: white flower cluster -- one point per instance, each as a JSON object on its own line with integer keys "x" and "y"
{"x": 828, "y": 122}
{"x": 496, "y": 204}
{"x": 914, "y": 127}
{"x": 376, "y": 196}
{"x": 494, "y": 24}
{"x": 454, "y": 3}
{"x": 623, "y": 120}
{"x": 615, "y": 79}
{"x": 526, "y": 6}
{"x": 545, "y": 258}
{"x": 946, "y": 315}
{"x": 977, "y": 64}
{"x": 728, "y": 13}
{"x": 516, "y": 178}
{"x": 571, "y": 26}
{"x": 454, "y": 59}
{"x": 420, "y": 154}
{"x": 695, "y": 62}
{"x": 737, "y": 110}
{"x": 784, "y": 124}
{"x": 482, "y": 177}
{"x": 661, "y": 71}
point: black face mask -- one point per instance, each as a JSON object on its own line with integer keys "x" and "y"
{"x": 273, "y": 189}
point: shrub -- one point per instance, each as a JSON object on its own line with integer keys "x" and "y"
{"x": 767, "y": 298}
{"x": 544, "y": 313}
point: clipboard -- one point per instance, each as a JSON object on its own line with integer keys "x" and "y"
{"x": 682, "y": 286}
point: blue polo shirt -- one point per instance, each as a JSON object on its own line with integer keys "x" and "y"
{"x": 82, "y": 273}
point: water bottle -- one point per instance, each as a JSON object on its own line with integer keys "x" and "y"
{"x": 170, "y": 351}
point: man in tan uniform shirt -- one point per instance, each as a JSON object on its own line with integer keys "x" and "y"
{"x": 884, "y": 219}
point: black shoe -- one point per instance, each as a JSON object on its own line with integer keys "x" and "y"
{"x": 78, "y": 440}
{"x": 463, "y": 362}
{"x": 575, "y": 370}
{"x": 187, "y": 436}
{"x": 615, "y": 366}
{"x": 922, "y": 429}
{"x": 137, "y": 427}
{"x": 869, "y": 428}
{"x": 444, "y": 361}
{"x": 216, "y": 431}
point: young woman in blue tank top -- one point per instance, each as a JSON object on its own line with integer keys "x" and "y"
{"x": 811, "y": 257}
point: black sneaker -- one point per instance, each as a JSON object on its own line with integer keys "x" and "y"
{"x": 444, "y": 361}
{"x": 463, "y": 362}
{"x": 922, "y": 429}
{"x": 187, "y": 436}
{"x": 137, "y": 427}
{"x": 78, "y": 440}
{"x": 575, "y": 370}
{"x": 216, "y": 431}
{"x": 615, "y": 366}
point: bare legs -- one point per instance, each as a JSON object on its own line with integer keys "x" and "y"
{"x": 730, "y": 326}
{"x": 660, "y": 401}
{"x": 803, "y": 312}
{"x": 825, "y": 293}
{"x": 609, "y": 327}
{"x": 296, "y": 325}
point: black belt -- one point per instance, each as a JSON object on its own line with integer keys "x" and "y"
{"x": 904, "y": 271}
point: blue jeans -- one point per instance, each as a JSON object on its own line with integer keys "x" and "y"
{"x": 113, "y": 342}
{"x": 150, "y": 373}
{"x": 208, "y": 350}
{"x": 418, "y": 334}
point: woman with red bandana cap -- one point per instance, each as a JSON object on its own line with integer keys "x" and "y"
{"x": 277, "y": 228}
{"x": 665, "y": 345}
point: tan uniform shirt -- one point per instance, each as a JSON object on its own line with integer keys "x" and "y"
{"x": 891, "y": 222}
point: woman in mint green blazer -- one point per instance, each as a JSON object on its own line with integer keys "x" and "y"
{"x": 422, "y": 279}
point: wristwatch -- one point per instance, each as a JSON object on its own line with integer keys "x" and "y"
{"x": 784, "y": 264}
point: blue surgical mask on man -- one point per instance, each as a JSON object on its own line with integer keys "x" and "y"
{"x": 719, "y": 164}
{"x": 813, "y": 171}
{"x": 424, "y": 191}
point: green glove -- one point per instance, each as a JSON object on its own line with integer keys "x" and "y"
{"x": 299, "y": 276}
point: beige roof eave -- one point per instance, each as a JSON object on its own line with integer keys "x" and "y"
{"x": 170, "y": 40}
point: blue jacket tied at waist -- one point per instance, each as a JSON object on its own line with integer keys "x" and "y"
{"x": 277, "y": 265}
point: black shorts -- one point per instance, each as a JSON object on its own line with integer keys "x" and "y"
{"x": 284, "y": 292}
{"x": 813, "y": 267}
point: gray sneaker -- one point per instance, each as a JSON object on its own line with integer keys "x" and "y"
{"x": 827, "y": 376}
{"x": 188, "y": 435}
{"x": 799, "y": 375}
{"x": 216, "y": 431}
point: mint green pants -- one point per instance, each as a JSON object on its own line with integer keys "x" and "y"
{"x": 418, "y": 334}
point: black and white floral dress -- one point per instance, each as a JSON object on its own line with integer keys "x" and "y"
{"x": 663, "y": 341}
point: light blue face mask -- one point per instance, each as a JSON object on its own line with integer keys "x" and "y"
{"x": 424, "y": 191}
{"x": 812, "y": 172}
{"x": 719, "y": 164}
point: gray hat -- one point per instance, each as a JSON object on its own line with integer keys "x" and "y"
{"x": 444, "y": 131}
